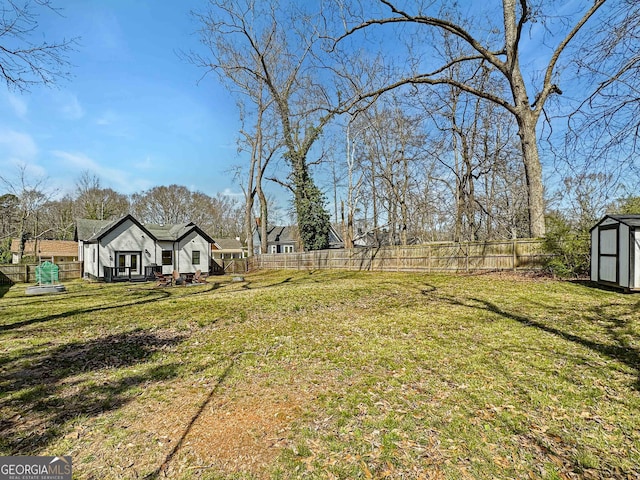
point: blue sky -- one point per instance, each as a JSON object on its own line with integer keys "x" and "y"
{"x": 133, "y": 112}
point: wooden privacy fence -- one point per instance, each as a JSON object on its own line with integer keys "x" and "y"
{"x": 230, "y": 265}
{"x": 522, "y": 254}
{"x": 26, "y": 273}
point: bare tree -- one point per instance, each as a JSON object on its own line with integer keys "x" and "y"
{"x": 498, "y": 49}
{"x": 219, "y": 216}
{"x": 604, "y": 128}
{"x": 59, "y": 218}
{"x": 32, "y": 194}
{"x": 162, "y": 204}
{"x": 274, "y": 48}
{"x": 262, "y": 142}
{"x": 393, "y": 145}
{"x": 24, "y": 60}
{"x": 97, "y": 203}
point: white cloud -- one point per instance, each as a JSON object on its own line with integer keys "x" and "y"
{"x": 119, "y": 180}
{"x": 145, "y": 164}
{"x": 230, "y": 193}
{"x": 18, "y": 105}
{"x": 114, "y": 124}
{"x": 70, "y": 106}
{"x": 107, "y": 118}
{"x": 17, "y": 146}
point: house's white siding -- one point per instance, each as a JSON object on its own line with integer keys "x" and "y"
{"x": 126, "y": 237}
{"x": 90, "y": 255}
{"x": 128, "y": 249}
{"x": 164, "y": 245}
{"x": 186, "y": 246}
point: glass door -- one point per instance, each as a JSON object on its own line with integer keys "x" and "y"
{"x": 128, "y": 263}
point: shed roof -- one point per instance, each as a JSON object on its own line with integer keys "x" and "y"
{"x": 630, "y": 220}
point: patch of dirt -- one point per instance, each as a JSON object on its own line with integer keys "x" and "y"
{"x": 246, "y": 434}
{"x": 242, "y": 428}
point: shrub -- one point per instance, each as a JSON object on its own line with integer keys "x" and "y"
{"x": 569, "y": 247}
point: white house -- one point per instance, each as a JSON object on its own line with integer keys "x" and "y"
{"x": 615, "y": 251}
{"x": 127, "y": 249}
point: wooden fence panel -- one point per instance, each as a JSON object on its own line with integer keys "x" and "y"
{"x": 526, "y": 254}
{"x": 26, "y": 273}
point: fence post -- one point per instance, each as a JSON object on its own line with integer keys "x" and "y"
{"x": 467, "y": 257}
{"x": 514, "y": 254}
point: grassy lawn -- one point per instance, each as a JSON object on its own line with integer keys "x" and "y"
{"x": 325, "y": 375}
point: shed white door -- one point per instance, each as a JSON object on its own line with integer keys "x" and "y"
{"x": 608, "y": 255}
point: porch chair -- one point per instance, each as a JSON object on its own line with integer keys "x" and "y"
{"x": 200, "y": 277}
{"x": 177, "y": 278}
{"x": 163, "y": 280}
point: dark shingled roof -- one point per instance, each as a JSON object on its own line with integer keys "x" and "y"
{"x": 229, "y": 244}
{"x": 92, "y": 230}
{"x": 87, "y": 230}
{"x": 169, "y": 232}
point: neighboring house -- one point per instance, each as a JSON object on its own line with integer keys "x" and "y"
{"x": 227, "y": 249}
{"x": 615, "y": 251}
{"x": 127, "y": 248}
{"x": 279, "y": 240}
{"x": 55, "y": 251}
{"x": 286, "y": 240}
{"x": 380, "y": 238}
{"x": 335, "y": 240}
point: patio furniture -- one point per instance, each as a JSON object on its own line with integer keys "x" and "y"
{"x": 163, "y": 280}
{"x": 200, "y": 277}
{"x": 178, "y": 279}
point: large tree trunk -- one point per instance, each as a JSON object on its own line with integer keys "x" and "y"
{"x": 533, "y": 174}
{"x": 248, "y": 222}
{"x": 264, "y": 220}
{"x": 527, "y": 119}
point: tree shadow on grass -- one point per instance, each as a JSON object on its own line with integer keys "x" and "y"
{"x": 618, "y": 349}
{"x": 152, "y": 295}
{"x": 41, "y": 390}
{"x": 599, "y": 329}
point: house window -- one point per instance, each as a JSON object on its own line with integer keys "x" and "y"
{"x": 167, "y": 257}
{"x": 195, "y": 257}
{"x": 273, "y": 249}
{"x": 288, "y": 248}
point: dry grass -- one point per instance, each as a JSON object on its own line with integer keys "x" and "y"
{"x": 326, "y": 375}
